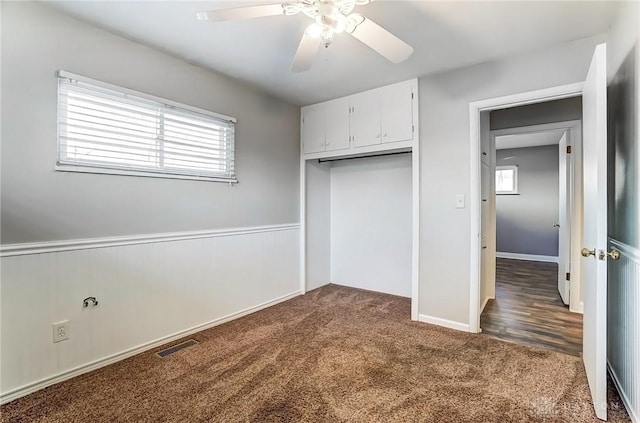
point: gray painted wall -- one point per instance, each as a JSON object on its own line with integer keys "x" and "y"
{"x": 40, "y": 204}
{"x": 444, "y": 160}
{"x": 623, "y": 182}
{"x": 524, "y": 222}
{"x": 623, "y": 292}
{"x": 537, "y": 114}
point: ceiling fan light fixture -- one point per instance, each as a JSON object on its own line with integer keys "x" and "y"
{"x": 330, "y": 17}
{"x": 314, "y": 30}
{"x": 292, "y": 8}
{"x": 352, "y": 22}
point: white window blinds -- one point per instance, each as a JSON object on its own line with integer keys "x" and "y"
{"x": 105, "y": 128}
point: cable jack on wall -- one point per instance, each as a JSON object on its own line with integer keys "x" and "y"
{"x": 92, "y": 300}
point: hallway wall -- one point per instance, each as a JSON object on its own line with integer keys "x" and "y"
{"x": 537, "y": 114}
{"x": 524, "y": 221}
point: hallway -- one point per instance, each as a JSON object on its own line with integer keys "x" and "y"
{"x": 528, "y": 309}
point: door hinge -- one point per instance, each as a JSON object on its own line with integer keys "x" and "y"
{"x": 568, "y": 149}
{"x": 568, "y": 277}
{"x": 413, "y": 128}
{"x": 411, "y": 96}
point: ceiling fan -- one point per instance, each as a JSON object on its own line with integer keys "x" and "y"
{"x": 331, "y": 17}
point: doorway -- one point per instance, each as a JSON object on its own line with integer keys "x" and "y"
{"x": 482, "y": 146}
{"x": 527, "y": 222}
{"x": 543, "y": 222}
{"x": 594, "y": 216}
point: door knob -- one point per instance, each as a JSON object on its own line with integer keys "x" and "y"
{"x": 556, "y": 225}
{"x": 587, "y": 252}
{"x": 614, "y": 254}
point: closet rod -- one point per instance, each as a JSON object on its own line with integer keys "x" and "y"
{"x": 364, "y": 157}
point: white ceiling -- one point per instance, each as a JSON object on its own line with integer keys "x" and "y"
{"x": 445, "y": 35}
{"x": 532, "y": 139}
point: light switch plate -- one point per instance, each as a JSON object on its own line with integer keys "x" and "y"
{"x": 460, "y": 201}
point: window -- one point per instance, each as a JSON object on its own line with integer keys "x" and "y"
{"x": 506, "y": 179}
{"x": 107, "y": 129}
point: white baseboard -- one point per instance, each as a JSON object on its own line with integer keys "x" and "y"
{"x": 43, "y": 383}
{"x": 625, "y": 400}
{"x": 527, "y": 257}
{"x": 484, "y": 303}
{"x": 577, "y": 309}
{"x": 443, "y": 322}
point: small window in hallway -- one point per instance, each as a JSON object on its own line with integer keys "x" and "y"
{"x": 506, "y": 179}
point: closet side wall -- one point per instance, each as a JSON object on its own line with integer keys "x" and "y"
{"x": 318, "y": 223}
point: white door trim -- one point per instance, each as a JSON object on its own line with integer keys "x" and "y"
{"x": 530, "y": 97}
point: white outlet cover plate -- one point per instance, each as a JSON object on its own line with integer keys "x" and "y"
{"x": 60, "y": 331}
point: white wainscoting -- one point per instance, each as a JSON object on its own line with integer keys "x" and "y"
{"x": 623, "y": 324}
{"x": 151, "y": 290}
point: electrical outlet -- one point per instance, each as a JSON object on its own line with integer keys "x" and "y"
{"x": 60, "y": 331}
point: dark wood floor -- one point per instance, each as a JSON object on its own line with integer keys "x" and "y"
{"x": 528, "y": 308}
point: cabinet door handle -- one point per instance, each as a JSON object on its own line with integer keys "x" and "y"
{"x": 378, "y": 136}
{"x": 384, "y": 135}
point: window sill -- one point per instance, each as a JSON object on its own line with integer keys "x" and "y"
{"x": 122, "y": 172}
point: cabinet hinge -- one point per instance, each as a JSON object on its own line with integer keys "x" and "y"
{"x": 413, "y": 128}
{"x": 568, "y": 276}
{"x": 568, "y": 149}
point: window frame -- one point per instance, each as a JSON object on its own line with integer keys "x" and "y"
{"x": 118, "y": 170}
{"x": 514, "y": 168}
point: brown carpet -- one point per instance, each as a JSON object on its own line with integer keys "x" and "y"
{"x": 338, "y": 355}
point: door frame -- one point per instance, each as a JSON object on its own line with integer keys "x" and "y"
{"x": 475, "y": 108}
{"x": 573, "y": 129}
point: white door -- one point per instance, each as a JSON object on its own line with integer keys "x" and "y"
{"x": 563, "y": 225}
{"x": 313, "y": 137}
{"x": 396, "y": 113}
{"x": 594, "y": 264}
{"x": 365, "y": 119}
{"x": 337, "y": 124}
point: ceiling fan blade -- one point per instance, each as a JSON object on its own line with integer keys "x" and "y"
{"x": 307, "y": 50}
{"x": 382, "y": 41}
{"x": 241, "y": 13}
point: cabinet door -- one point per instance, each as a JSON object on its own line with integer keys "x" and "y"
{"x": 312, "y": 131}
{"x": 365, "y": 119}
{"x": 396, "y": 113}
{"x": 337, "y": 124}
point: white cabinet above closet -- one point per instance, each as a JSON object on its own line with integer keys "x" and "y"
{"x": 381, "y": 119}
{"x": 325, "y": 126}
